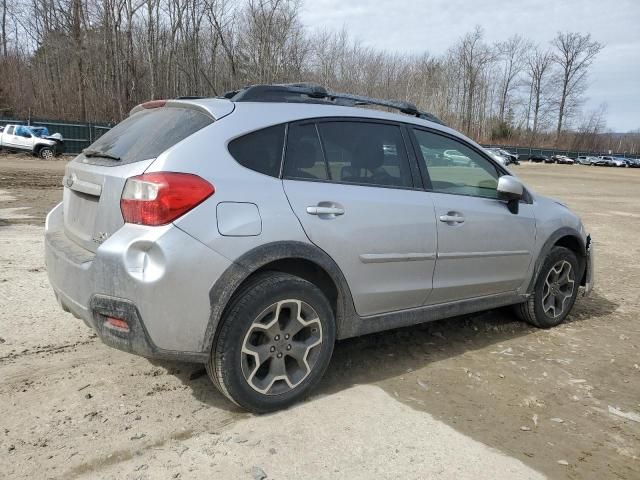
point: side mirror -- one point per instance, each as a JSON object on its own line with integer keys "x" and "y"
{"x": 511, "y": 190}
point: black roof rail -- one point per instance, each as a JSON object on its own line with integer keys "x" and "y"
{"x": 313, "y": 93}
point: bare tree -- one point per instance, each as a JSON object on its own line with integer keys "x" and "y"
{"x": 471, "y": 56}
{"x": 574, "y": 53}
{"x": 539, "y": 65}
{"x": 3, "y": 23}
{"x": 513, "y": 55}
{"x": 95, "y": 59}
{"x": 592, "y": 125}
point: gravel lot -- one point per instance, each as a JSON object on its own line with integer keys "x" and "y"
{"x": 475, "y": 397}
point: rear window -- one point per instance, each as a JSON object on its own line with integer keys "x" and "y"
{"x": 260, "y": 151}
{"x": 147, "y": 134}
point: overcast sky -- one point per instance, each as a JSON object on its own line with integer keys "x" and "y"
{"x": 434, "y": 25}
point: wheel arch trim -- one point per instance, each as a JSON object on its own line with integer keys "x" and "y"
{"x": 254, "y": 260}
{"x": 551, "y": 241}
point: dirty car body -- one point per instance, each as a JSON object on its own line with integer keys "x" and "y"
{"x": 276, "y": 196}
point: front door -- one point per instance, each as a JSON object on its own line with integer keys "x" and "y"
{"x": 351, "y": 186}
{"x": 483, "y": 248}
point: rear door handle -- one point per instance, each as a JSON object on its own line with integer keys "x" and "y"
{"x": 315, "y": 210}
{"x": 452, "y": 218}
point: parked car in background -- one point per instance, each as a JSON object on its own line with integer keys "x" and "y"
{"x": 538, "y": 158}
{"x": 585, "y": 160}
{"x": 604, "y": 161}
{"x": 633, "y": 162}
{"x": 276, "y": 221}
{"x": 36, "y": 140}
{"x": 513, "y": 157}
{"x": 493, "y": 153}
{"x": 621, "y": 162}
{"x": 562, "y": 159}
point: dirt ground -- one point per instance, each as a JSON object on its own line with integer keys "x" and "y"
{"x": 482, "y": 396}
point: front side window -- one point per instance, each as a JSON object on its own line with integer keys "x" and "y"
{"x": 365, "y": 153}
{"x": 260, "y": 151}
{"x": 455, "y": 168}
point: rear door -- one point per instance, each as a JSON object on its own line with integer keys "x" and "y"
{"x": 355, "y": 191}
{"x": 483, "y": 248}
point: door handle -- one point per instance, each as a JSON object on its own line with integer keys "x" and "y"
{"x": 315, "y": 210}
{"x": 452, "y": 218}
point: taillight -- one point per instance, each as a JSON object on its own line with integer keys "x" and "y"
{"x": 159, "y": 198}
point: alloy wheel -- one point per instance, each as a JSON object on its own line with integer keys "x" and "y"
{"x": 558, "y": 288}
{"x": 281, "y": 347}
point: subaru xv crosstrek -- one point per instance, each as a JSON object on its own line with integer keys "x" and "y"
{"x": 251, "y": 232}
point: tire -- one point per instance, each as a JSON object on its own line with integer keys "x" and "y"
{"x": 292, "y": 363}
{"x": 542, "y": 311}
{"x": 45, "y": 153}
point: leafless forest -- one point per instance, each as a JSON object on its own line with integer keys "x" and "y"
{"x": 94, "y": 60}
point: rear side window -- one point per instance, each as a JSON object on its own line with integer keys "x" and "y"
{"x": 348, "y": 152}
{"x": 260, "y": 151}
{"x": 147, "y": 134}
{"x": 365, "y": 153}
{"x": 304, "y": 154}
{"x": 10, "y": 130}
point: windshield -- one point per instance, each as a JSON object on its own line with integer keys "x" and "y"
{"x": 147, "y": 134}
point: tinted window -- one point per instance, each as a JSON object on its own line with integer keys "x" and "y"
{"x": 304, "y": 158}
{"x": 455, "y": 168}
{"x": 260, "y": 151}
{"x": 148, "y": 133}
{"x": 365, "y": 153}
{"x": 10, "y": 131}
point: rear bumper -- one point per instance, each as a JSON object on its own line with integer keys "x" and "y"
{"x": 155, "y": 278}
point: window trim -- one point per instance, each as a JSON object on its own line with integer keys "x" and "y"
{"x": 526, "y": 197}
{"x": 416, "y": 181}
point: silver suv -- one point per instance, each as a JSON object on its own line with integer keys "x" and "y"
{"x": 249, "y": 233}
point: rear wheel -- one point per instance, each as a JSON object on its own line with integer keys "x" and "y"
{"x": 555, "y": 290}
{"x": 274, "y": 344}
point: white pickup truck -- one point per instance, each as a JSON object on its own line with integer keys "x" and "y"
{"x": 36, "y": 140}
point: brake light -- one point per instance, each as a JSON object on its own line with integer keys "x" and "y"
{"x": 154, "y": 104}
{"x": 159, "y": 198}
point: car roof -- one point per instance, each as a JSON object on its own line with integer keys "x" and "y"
{"x": 264, "y": 114}
{"x": 291, "y": 111}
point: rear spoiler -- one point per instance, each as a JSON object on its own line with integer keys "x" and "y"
{"x": 217, "y": 109}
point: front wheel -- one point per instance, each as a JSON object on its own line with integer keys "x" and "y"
{"x": 555, "y": 290}
{"x": 274, "y": 344}
{"x": 45, "y": 153}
